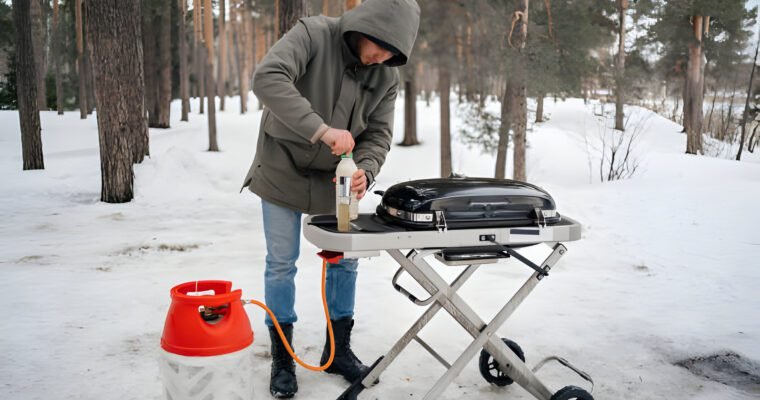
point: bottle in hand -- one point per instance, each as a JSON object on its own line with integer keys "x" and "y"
{"x": 343, "y": 174}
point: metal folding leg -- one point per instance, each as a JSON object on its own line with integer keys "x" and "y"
{"x": 411, "y": 334}
{"x": 484, "y": 334}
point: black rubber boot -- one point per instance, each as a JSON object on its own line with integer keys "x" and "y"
{"x": 345, "y": 363}
{"x": 282, "y": 383}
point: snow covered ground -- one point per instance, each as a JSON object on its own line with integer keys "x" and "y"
{"x": 667, "y": 270}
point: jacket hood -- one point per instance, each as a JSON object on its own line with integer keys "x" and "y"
{"x": 394, "y": 22}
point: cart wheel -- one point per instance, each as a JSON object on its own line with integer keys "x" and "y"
{"x": 489, "y": 368}
{"x": 572, "y": 393}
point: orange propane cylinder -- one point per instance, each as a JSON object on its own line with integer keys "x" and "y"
{"x": 206, "y": 318}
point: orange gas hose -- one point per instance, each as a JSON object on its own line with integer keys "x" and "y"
{"x": 327, "y": 317}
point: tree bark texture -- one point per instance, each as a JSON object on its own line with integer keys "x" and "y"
{"x": 694, "y": 88}
{"x": 517, "y": 87}
{"x": 410, "y": 109}
{"x": 208, "y": 33}
{"x": 289, "y": 13}
{"x": 222, "y": 54}
{"x": 333, "y": 8}
{"x": 444, "y": 86}
{"x": 39, "y": 39}
{"x": 184, "y": 80}
{"x": 56, "y": 47}
{"x": 620, "y": 68}
{"x": 504, "y": 127}
{"x": 200, "y": 55}
{"x": 164, "y": 74}
{"x": 277, "y": 31}
{"x": 746, "y": 104}
{"x": 89, "y": 80}
{"x": 232, "y": 70}
{"x": 150, "y": 61}
{"x": 261, "y": 41}
{"x": 241, "y": 39}
{"x": 195, "y": 87}
{"x": 540, "y": 107}
{"x": 250, "y": 37}
{"x": 114, "y": 27}
{"x": 200, "y": 60}
{"x": 80, "y": 60}
{"x": 26, "y": 88}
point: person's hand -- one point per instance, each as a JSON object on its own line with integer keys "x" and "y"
{"x": 340, "y": 141}
{"x": 359, "y": 183}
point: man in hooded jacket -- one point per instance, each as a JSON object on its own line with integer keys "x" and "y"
{"x": 328, "y": 88}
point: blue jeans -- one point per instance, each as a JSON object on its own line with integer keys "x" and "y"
{"x": 282, "y": 231}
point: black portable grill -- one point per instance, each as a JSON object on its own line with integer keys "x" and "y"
{"x": 466, "y": 203}
{"x": 460, "y": 222}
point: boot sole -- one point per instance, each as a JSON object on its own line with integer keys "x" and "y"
{"x": 344, "y": 377}
{"x": 281, "y": 395}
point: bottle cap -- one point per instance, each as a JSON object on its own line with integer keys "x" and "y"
{"x": 347, "y": 155}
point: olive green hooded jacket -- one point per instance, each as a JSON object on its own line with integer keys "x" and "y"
{"x": 312, "y": 79}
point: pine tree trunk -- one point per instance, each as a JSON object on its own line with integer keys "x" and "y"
{"x": 620, "y": 68}
{"x": 752, "y": 142}
{"x": 234, "y": 47}
{"x": 164, "y": 73}
{"x": 150, "y": 61}
{"x": 726, "y": 123}
{"x": 26, "y": 88}
{"x": 469, "y": 62}
{"x": 444, "y": 86}
{"x": 200, "y": 60}
{"x": 250, "y": 26}
{"x": 114, "y": 28}
{"x": 57, "y": 45}
{"x": 540, "y": 108}
{"x": 208, "y": 31}
{"x": 39, "y": 39}
{"x": 261, "y": 41}
{"x": 519, "y": 117}
{"x": 183, "y": 72}
{"x": 201, "y": 65}
{"x": 222, "y": 54}
{"x": 194, "y": 50}
{"x": 232, "y": 69}
{"x": 87, "y": 64}
{"x": 242, "y": 40}
{"x": 518, "y": 89}
{"x": 80, "y": 60}
{"x": 90, "y": 80}
{"x": 506, "y": 121}
{"x": 289, "y": 13}
{"x": 746, "y": 104}
{"x": 684, "y": 100}
{"x": 192, "y": 72}
{"x": 410, "y": 110}
{"x": 270, "y": 36}
{"x": 333, "y": 8}
{"x": 211, "y": 99}
{"x": 694, "y": 89}
{"x": 712, "y": 106}
{"x": 255, "y": 31}
{"x": 276, "y": 26}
